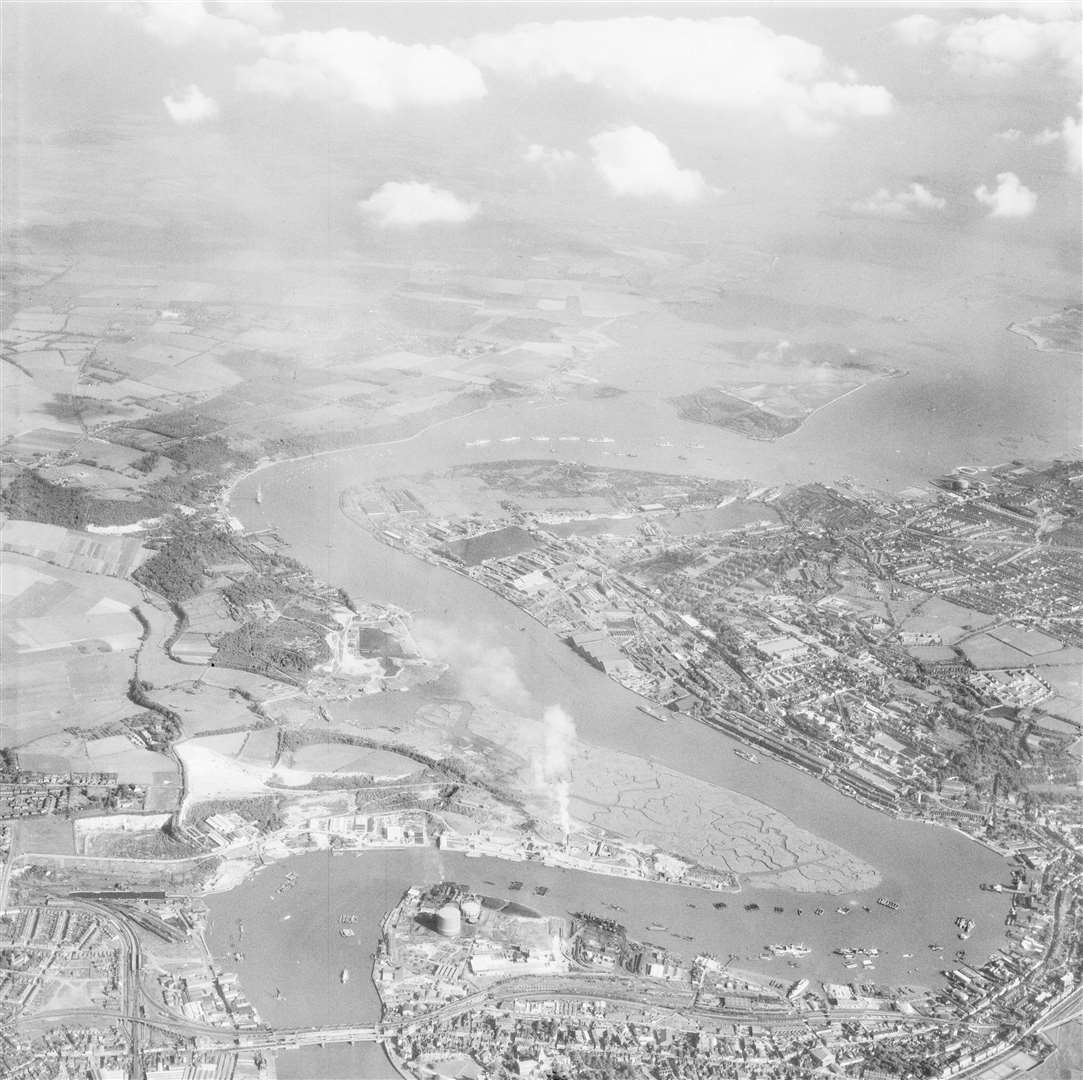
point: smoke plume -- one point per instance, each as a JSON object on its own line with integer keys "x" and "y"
{"x": 557, "y": 762}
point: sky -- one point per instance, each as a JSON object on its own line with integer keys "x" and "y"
{"x": 432, "y": 122}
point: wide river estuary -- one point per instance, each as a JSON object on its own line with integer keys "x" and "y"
{"x": 293, "y": 951}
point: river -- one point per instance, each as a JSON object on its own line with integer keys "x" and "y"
{"x": 292, "y": 942}
{"x": 933, "y": 872}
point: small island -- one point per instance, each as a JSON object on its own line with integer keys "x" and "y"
{"x": 1060, "y": 332}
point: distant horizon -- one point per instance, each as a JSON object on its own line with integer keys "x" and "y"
{"x": 620, "y": 457}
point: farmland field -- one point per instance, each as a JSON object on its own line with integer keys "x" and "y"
{"x": 72, "y": 665}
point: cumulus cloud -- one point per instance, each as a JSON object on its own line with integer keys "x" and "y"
{"x": 320, "y": 65}
{"x": 259, "y": 13}
{"x": 1001, "y": 44}
{"x": 1035, "y": 9}
{"x": 1005, "y": 44}
{"x": 905, "y": 203}
{"x": 191, "y": 106}
{"x": 917, "y": 29}
{"x": 1073, "y": 144}
{"x": 1009, "y": 199}
{"x": 189, "y": 22}
{"x": 408, "y": 203}
{"x": 362, "y": 68}
{"x": 636, "y": 162}
{"x": 551, "y": 159}
{"x": 1069, "y": 134}
{"x": 726, "y": 62}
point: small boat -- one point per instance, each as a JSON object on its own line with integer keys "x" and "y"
{"x": 346, "y": 932}
{"x": 721, "y": 905}
{"x": 790, "y": 950}
{"x": 345, "y": 976}
{"x": 746, "y": 756}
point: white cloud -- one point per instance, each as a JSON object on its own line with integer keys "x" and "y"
{"x": 549, "y": 158}
{"x": 636, "y": 162}
{"x": 1002, "y": 44}
{"x": 1073, "y": 144}
{"x": 259, "y": 13}
{"x": 904, "y": 203}
{"x": 191, "y": 106}
{"x": 917, "y": 29}
{"x": 331, "y": 65}
{"x": 1005, "y": 44}
{"x": 354, "y": 66}
{"x": 1069, "y": 134}
{"x": 1035, "y": 9}
{"x": 1010, "y": 198}
{"x": 1008, "y": 135}
{"x": 408, "y": 203}
{"x": 189, "y": 22}
{"x": 727, "y": 62}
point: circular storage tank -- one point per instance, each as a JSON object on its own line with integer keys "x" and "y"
{"x": 449, "y": 920}
{"x": 471, "y": 909}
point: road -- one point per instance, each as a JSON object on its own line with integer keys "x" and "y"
{"x": 145, "y": 1015}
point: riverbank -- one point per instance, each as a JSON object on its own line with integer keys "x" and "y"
{"x": 292, "y": 941}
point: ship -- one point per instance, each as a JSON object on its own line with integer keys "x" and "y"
{"x": 346, "y": 932}
{"x": 259, "y": 495}
{"x": 886, "y": 901}
{"x": 746, "y": 756}
{"x": 965, "y": 926}
{"x": 345, "y": 976}
{"x": 653, "y": 714}
{"x": 790, "y": 950}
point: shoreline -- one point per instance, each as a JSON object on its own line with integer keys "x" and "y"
{"x": 222, "y": 502}
{"x": 896, "y": 814}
